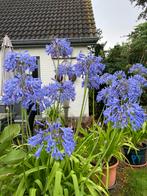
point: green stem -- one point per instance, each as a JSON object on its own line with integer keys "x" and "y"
{"x": 93, "y": 107}
{"x": 22, "y": 125}
{"x": 107, "y": 175}
{"x": 82, "y": 108}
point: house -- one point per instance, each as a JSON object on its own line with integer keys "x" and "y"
{"x": 31, "y": 24}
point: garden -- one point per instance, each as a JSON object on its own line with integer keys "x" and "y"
{"x": 58, "y": 158}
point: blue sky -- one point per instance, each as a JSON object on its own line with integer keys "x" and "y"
{"x": 116, "y": 18}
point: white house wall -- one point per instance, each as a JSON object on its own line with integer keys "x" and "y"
{"x": 47, "y": 73}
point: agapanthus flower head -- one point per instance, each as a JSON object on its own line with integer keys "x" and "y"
{"x": 90, "y": 68}
{"x": 12, "y": 91}
{"x": 138, "y": 69}
{"x": 60, "y": 92}
{"x": 121, "y": 97}
{"x": 59, "y": 48}
{"x": 106, "y": 78}
{"x": 20, "y": 62}
{"x": 67, "y": 91}
{"x": 54, "y": 139}
{"x": 124, "y": 115}
{"x": 27, "y": 91}
{"x": 66, "y": 69}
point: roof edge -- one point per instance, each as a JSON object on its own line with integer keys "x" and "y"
{"x": 83, "y": 41}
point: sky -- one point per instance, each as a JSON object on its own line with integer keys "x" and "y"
{"x": 116, "y": 19}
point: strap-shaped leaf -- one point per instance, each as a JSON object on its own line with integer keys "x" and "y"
{"x": 13, "y": 157}
{"x": 58, "y": 188}
{"x": 10, "y": 132}
{"x": 52, "y": 175}
{"x": 39, "y": 183}
{"x": 76, "y": 184}
{"x": 32, "y": 192}
{"x": 6, "y": 173}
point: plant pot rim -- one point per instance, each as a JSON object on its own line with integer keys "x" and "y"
{"x": 135, "y": 166}
{"x": 112, "y": 166}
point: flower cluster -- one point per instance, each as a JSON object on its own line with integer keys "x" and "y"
{"x": 20, "y": 62}
{"x": 25, "y": 90}
{"x": 138, "y": 69}
{"x": 121, "y": 97}
{"x": 55, "y": 139}
{"x": 66, "y": 69}
{"x": 60, "y": 92}
{"x": 59, "y": 48}
{"x": 90, "y": 68}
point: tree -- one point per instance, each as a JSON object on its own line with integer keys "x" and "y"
{"x": 117, "y": 58}
{"x": 143, "y": 5}
{"x": 138, "y": 45}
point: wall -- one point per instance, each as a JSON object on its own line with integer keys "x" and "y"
{"x": 47, "y": 72}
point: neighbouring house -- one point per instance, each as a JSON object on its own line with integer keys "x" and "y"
{"x": 31, "y": 24}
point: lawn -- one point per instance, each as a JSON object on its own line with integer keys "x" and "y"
{"x": 130, "y": 181}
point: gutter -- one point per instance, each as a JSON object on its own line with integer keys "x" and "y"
{"x": 39, "y": 43}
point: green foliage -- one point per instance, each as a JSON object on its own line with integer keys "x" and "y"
{"x": 110, "y": 143}
{"x": 139, "y": 136}
{"x": 131, "y": 52}
{"x": 45, "y": 176}
{"x": 136, "y": 183}
{"x": 138, "y": 44}
{"x": 143, "y": 4}
{"x": 117, "y": 58}
{"x": 10, "y": 157}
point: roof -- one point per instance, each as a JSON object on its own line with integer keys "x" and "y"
{"x": 37, "y": 21}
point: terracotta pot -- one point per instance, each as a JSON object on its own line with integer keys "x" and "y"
{"x": 136, "y": 159}
{"x": 112, "y": 174}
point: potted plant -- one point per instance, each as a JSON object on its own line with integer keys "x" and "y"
{"x": 137, "y": 158}
{"x": 110, "y": 143}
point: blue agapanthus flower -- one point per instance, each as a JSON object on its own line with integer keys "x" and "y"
{"x": 60, "y": 92}
{"x": 66, "y": 69}
{"x": 138, "y": 69}
{"x": 59, "y": 48}
{"x": 126, "y": 114}
{"x": 12, "y": 91}
{"x": 27, "y": 91}
{"x": 67, "y": 91}
{"x": 90, "y": 68}
{"x": 20, "y": 62}
{"x": 121, "y": 97}
{"x": 54, "y": 139}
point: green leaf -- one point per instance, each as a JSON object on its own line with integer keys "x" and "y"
{"x": 52, "y": 175}
{"x": 3, "y": 147}
{"x": 32, "y": 192}
{"x": 66, "y": 192}
{"x": 6, "y": 172}
{"x": 76, "y": 185}
{"x": 10, "y": 132}
{"x": 35, "y": 169}
{"x": 13, "y": 157}
{"x": 21, "y": 188}
{"x": 91, "y": 190}
{"x": 39, "y": 183}
{"x": 58, "y": 187}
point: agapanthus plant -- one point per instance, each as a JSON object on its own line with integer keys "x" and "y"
{"x": 60, "y": 92}
{"x": 20, "y": 62}
{"x": 138, "y": 69}
{"x": 90, "y": 68}
{"x": 59, "y": 48}
{"x": 54, "y": 139}
{"x": 121, "y": 97}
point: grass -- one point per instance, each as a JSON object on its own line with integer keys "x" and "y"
{"x": 130, "y": 182}
{"x": 136, "y": 184}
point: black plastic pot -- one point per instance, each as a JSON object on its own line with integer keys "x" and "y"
{"x": 136, "y": 157}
